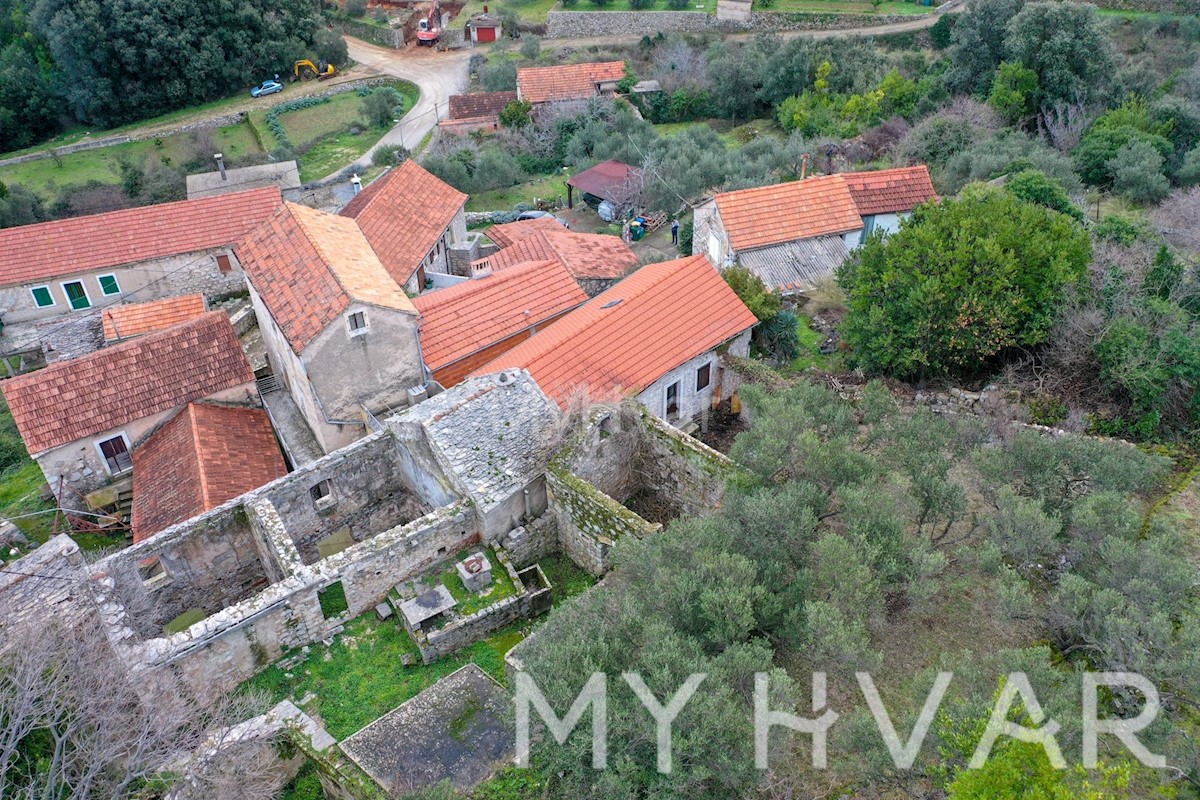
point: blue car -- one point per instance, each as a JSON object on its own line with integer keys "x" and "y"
{"x": 265, "y": 88}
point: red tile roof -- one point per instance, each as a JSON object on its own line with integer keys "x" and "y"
{"x": 479, "y": 104}
{"x": 68, "y": 246}
{"x": 611, "y": 180}
{"x": 785, "y": 212}
{"x": 566, "y": 82}
{"x": 199, "y": 459}
{"x": 309, "y": 266}
{"x": 70, "y": 400}
{"x": 629, "y": 336}
{"x": 134, "y": 319}
{"x": 403, "y": 214}
{"x": 585, "y": 255}
{"x": 470, "y": 316}
{"x": 888, "y": 191}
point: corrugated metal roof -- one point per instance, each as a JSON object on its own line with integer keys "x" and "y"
{"x": 796, "y": 265}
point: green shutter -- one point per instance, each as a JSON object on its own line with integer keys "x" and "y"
{"x": 42, "y": 297}
{"x": 108, "y": 284}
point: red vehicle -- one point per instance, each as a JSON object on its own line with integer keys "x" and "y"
{"x": 429, "y": 30}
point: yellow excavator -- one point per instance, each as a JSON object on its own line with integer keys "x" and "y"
{"x": 305, "y": 70}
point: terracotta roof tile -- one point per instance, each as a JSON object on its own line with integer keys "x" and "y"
{"x": 403, "y": 214}
{"x": 67, "y": 246}
{"x": 585, "y": 255}
{"x": 470, "y": 316}
{"x": 788, "y": 211}
{"x": 567, "y": 81}
{"x": 70, "y": 400}
{"x": 479, "y": 104}
{"x": 888, "y": 191}
{"x": 134, "y": 319}
{"x": 610, "y": 180}
{"x": 631, "y": 335}
{"x": 308, "y": 266}
{"x": 197, "y": 460}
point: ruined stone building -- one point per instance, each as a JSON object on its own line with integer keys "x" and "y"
{"x": 340, "y": 333}
{"x": 658, "y": 335}
{"x": 52, "y": 269}
{"x": 221, "y": 595}
{"x": 414, "y": 222}
{"x": 82, "y": 419}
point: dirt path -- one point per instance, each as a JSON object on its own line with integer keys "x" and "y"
{"x": 438, "y": 75}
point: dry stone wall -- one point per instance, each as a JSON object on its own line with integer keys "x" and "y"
{"x": 581, "y": 24}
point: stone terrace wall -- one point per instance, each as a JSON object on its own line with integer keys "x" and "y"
{"x": 579, "y": 24}
{"x": 28, "y": 599}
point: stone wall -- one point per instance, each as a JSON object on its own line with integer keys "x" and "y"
{"x": 531, "y": 542}
{"x": 461, "y": 632}
{"x": 1167, "y": 6}
{"x": 589, "y": 522}
{"x": 386, "y": 37}
{"x": 580, "y": 24}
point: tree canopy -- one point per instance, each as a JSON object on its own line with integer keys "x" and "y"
{"x": 958, "y": 283}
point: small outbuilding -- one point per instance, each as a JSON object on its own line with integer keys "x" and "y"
{"x": 618, "y": 183}
{"x": 485, "y": 27}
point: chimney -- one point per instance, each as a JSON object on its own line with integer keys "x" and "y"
{"x": 803, "y": 165}
{"x": 221, "y": 165}
{"x": 485, "y": 10}
{"x": 356, "y": 182}
{"x": 481, "y": 269}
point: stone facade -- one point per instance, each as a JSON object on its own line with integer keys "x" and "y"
{"x": 694, "y": 401}
{"x": 528, "y": 543}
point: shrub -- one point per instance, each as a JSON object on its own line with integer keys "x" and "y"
{"x": 356, "y": 8}
{"x": 516, "y": 114}
{"x": 329, "y": 46}
{"x": 380, "y": 106}
{"x": 1137, "y": 172}
{"x": 959, "y": 283}
{"x": 389, "y": 155}
{"x": 501, "y": 77}
{"x": 686, "y": 233}
{"x": 763, "y": 303}
{"x": 531, "y": 47}
{"x": 1035, "y": 187}
{"x": 939, "y": 34}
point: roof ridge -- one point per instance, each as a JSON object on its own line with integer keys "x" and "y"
{"x": 194, "y": 427}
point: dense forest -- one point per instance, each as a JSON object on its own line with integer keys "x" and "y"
{"x": 108, "y": 62}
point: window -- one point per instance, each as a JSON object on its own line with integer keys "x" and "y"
{"x": 115, "y": 452}
{"x": 320, "y": 491}
{"x": 702, "y": 377}
{"x": 109, "y": 285}
{"x": 868, "y": 226}
{"x": 358, "y": 322}
{"x": 77, "y": 296}
{"x": 42, "y": 297}
{"x": 152, "y": 571}
{"x": 224, "y": 264}
{"x": 673, "y": 400}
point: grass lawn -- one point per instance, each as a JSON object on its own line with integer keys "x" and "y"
{"x": 46, "y": 177}
{"x": 528, "y": 192}
{"x": 359, "y": 677}
{"x": 809, "y": 341}
{"x": 470, "y": 602}
{"x": 844, "y": 7}
{"x": 527, "y": 10}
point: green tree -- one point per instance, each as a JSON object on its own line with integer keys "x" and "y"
{"x": 1096, "y": 155}
{"x": 1036, "y": 187}
{"x": 960, "y": 282}
{"x": 977, "y": 44}
{"x": 1014, "y": 92}
{"x": 516, "y": 114}
{"x": 1137, "y": 171}
{"x": 499, "y": 77}
{"x": 1066, "y": 45}
{"x": 380, "y": 106}
{"x": 1189, "y": 172}
{"x": 531, "y": 47}
{"x": 329, "y": 46}
{"x": 762, "y": 302}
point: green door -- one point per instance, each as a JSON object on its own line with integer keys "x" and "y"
{"x": 76, "y": 295}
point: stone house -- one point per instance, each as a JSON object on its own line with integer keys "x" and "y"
{"x": 54, "y": 268}
{"x": 477, "y": 111}
{"x": 794, "y": 234}
{"x": 595, "y": 261}
{"x": 412, "y": 220}
{"x": 82, "y": 419}
{"x": 340, "y": 333}
{"x": 658, "y": 335}
{"x": 464, "y": 327}
{"x": 539, "y": 85}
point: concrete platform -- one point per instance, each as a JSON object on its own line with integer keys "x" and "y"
{"x": 455, "y": 729}
{"x": 298, "y": 441}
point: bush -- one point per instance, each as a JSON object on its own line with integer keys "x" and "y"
{"x": 680, "y": 5}
{"x": 531, "y": 47}
{"x": 762, "y": 302}
{"x": 958, "y": 283}
{"x": 389, "y": 155}
{"x": 1120, "y": 229}
{"x": 516, "y": 114}
{"x": 687, "y": 231}
{"x": 1035, "y": 187}
{"x": 1137, "y": 172}
{"x": 355, "y": 8}
{"x": 939, "y": 34}
{"x": 501, "y": 77}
